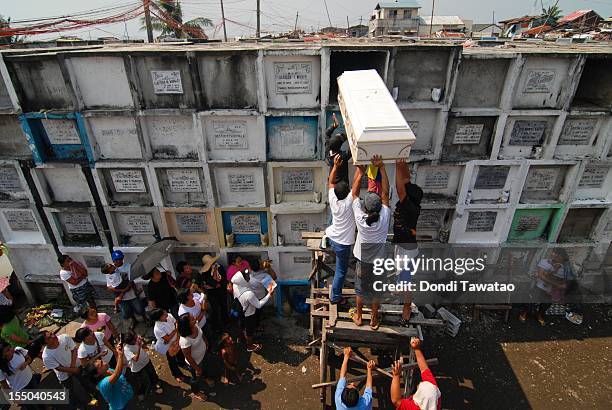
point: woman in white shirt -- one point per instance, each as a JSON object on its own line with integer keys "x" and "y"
{"x": 372, "y": 222}
{"x": 167, "y": 342}
{"x": 194, "y": 346}
{"x": 15, "y": 371}
{"x": 141, "y": 375}
{"x": 194, "y": 304}
{"x": 93, "y": 346}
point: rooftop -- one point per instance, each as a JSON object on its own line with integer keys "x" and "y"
{"x": 574, "y": 15}
{"x": 398, "y": 4}
{"x": 441, "y": 20}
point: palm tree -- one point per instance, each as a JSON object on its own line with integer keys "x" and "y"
{"x": 174, "y": 10}
{"x": 551, "y": 14}
{"x": 6, "y": 23}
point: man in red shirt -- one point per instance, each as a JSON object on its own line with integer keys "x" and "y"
{"x": 427, "y": 395}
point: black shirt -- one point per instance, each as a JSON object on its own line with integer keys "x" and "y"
{"x": 406, "y": 215}
{"x": 161, "y": 293}
{"x": 342, "y": 173}
{"x": 207, "y": 278}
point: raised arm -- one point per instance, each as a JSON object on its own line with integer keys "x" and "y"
{"x": 377, "y": 162}
{"x": 113, "y": 329}
{"x": 415, "y": 343}
{"x": 402, "y": 177}
{"x": 396, "y": 384}
{"x": 119, "y": 368}
{"x": 356, "y": 188}
{"x": 344, "y": 368}
{"x": 329, "y": 131}
{"x": 331, "y": 180}
{"x": 371, "y": 365}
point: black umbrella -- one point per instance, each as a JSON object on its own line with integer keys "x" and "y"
{"x": 152, "y": 256}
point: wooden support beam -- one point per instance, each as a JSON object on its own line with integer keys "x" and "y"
{"x": 367, "y": 316}
{"x": 323, "y": 361}
{"x": 394, "y": 331}
{"x": 312, "y": 235}
{"x": 358, "y": 359}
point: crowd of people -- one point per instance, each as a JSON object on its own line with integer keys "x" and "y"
{"x": 200, "y": 320}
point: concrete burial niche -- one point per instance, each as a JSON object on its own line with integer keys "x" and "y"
{"x": 191, "y": 226}
{"x": 191, "y": 255}
{"x": 172, "y": 136}
{"x": 124, "y": 185}
{"x": 491, "y": 182}
{"x": 229, "y": 80}
{"x": 547, "y": 184}
{"x": 227, "y": 255}
{"x": 580, "y": 224}
{"x": 534, "y": 223}
{"x": 164, "y": 80}
{"x": 239, "y": 185}
{"x": 544, "y": 82}
{"x": 595, "y": 87}
{"x": 234, "y": 136}
{"x": 440, "y": 183}
{"x": 133, "y": 227}
{"x": 181, "y": 185}
{"x": 33, "y": 262}
{"x": 293, "y": 81}
{"x": 289, "y": 227}
{"x": 468, "y": 138}
{"x": 475, "y": 225}
{"x": 13, "y": 142}
{"x": 114, "y": 136}
{"x": 101, "y": 81}
{"x": 434, "y": 224}
{"x": 292, "y": 137}
{"x": 297, "y": 186}
{"x": 294, "y": 265}
{"x": 425, "y": 126}
{"x": 578, "y": 136}
{"x": 480, "y": 82}
{"x": 57, "y": 137}
{"x": 8, "y": 98}
{"x": 355, "y": 59}
{"x": 526, "y": 136}
{"x": 76, "y": 227}
{"x": 243, "y": 227}
{"x": 62, "y": 185}
{"x": 13, "y": 186}
{"x": 40, "y": 83}
{"x": 595, "y": 182}
{"x": 364, "y": 182}
{"x": 418, "y": 71}
{"x": 21, "y": 225}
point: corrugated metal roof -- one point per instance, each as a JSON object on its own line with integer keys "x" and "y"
{"x": 398, "y": 4}
{"x": 574, "y": 15}
{"x": 441, "y": 20}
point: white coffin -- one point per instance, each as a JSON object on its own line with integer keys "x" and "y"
{"x": 373, "y": 122}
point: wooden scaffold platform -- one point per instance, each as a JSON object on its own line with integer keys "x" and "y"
{"x": 332, "y": 329}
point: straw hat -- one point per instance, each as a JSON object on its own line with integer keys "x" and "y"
{"x": 207, "y": 262}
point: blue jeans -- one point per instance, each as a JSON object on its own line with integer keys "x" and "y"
{"x": 129, "y": 307}
{"x": 343, "y": 252}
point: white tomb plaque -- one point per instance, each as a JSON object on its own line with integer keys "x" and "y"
{"x": 429, "y": 220}
{"x": 245, "y": 224}
{"x": 481, "y": 221}
{"x": 119, "y": 134}
{"x": 128, "y": 180}
{"x": 78, "y": 223}
{"x": 301, "y": 259}
{"x": 21, "y": 220}
{"x": 296, "y": 181}
{"x": 541, "y": 179}
{"x": 167, "y": 82}
{"x": 491, "y": 177}
{"x": 230, "y": 135}
{"x": 529, "y": 223}
{"x": 437, "y": 179}
{"x": 61, "y": 131}
{"x": 291, "y": 136}
{"x": 241, "y": 182}
{"x": 9, "y": 180}
{"x": 293, "y": 77}
{"x": 468, "y": 134}
{"x": 526, "y": 132}
{"x": 539, "y": 81}
{"x": 138, "y": 224}
{"x": 191, "y": 223}
{"x": 593, "y": 177}
{"x": 299, "y": 225}
{"x": 577, "y": 132}
{"x": 184, "y": 180}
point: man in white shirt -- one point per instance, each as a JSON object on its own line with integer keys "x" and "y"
{"x": 60, "y": 355}
{"x": 75, "y": 276}
{"x": 372, "y": 222}
{"x": 119, "y": 282}
{"x": 341, "y": 233}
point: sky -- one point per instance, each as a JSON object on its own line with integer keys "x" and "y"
{"x": 280, "y": 15}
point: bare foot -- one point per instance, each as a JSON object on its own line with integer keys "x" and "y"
{"x": 199, "y": 396}
{"x": 224, "y": 380}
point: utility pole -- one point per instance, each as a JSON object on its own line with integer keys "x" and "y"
{"x": 433, "y": 5}
{"x": 258, "y": 31}
{"x": 348, "y": 26}
{"x": 223, "y": 22}
{"x": 297, "y": 14}
{"x": 147, "y": 14}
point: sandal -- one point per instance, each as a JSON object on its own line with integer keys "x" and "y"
{"x": 575, "y": 318}
{"x": 377, "y": 325}
{"x": 254, "y": 348}
{"x": 199, "y": 396}
{"x": 353, "y": 315}
{"x": 522, "y": 317}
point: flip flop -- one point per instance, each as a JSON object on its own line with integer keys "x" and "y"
{"x": 199, "y": 396}
{"x": 353, "y": 315}
{"x": 377, "y": 325}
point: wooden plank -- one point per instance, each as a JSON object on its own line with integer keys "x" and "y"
{"x": 383, "y": 329}
{"x": 358, "y": 359}
{"x": 312, "y": 235}
{"x": 325, "y": 291}
{"x": 493, "y": 307}
{"x": 323, "y": 361}
{"x": 333, "y": 310}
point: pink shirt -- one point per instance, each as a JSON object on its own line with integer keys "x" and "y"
{"x": 232, "y": 269}
{"x": 101, "y": 325}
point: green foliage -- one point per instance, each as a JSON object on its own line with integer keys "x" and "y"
{"x": 173, "y": 9}
{"x": 6, "y": 22}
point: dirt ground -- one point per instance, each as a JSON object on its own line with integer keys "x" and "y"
{"x": 490, "y": 364}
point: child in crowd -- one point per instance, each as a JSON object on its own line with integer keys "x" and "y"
{"x": 229, "y": 355}
{"x": 141, "y": 375}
